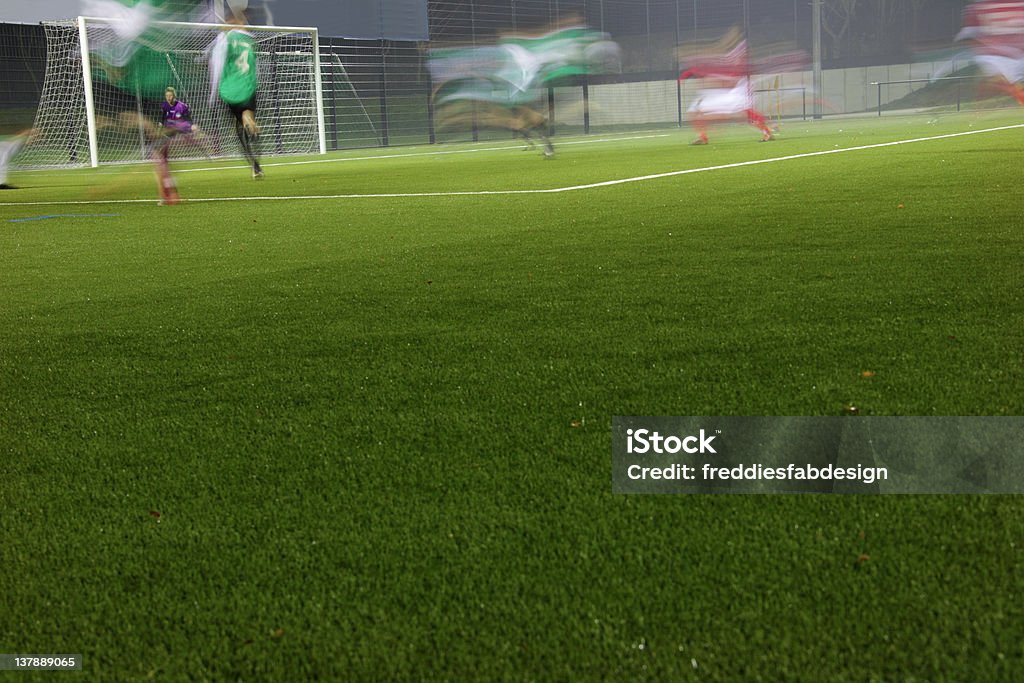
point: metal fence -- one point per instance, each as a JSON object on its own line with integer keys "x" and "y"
{"x": 377, "y": 92}
{"x": 22, "y": 69}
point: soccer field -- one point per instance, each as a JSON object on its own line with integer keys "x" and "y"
{"x": 353, "y": 421}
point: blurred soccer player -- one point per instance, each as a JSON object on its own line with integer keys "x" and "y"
{"x": 235, "y": 81}
{"x": 484, "y": 87}
{"x": 177, "y": 123}
{"x": 994, "y": 29}
{"x": 500, "y": 86}
{"x": 9, "y": 147}
{"x": 726, "y": 94}
{"x": 135, "y": 24}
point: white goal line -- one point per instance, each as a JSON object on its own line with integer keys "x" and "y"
{"x": 553, "y": 190}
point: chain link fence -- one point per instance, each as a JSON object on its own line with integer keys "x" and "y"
{"x": 378, "y": 92}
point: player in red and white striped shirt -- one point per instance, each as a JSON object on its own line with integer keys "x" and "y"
{"x": 726, "y": 93}
{"x": 994, "y": 29}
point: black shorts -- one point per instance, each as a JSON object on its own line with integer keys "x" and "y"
{"x": 239, "y": 109}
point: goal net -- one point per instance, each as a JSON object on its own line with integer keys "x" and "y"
{"x": 101, "y": 95}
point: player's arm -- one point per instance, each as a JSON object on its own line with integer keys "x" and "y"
{"x": 218, "y": 56}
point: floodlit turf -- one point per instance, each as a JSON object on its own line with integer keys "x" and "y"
{"x": 368, "y": 438}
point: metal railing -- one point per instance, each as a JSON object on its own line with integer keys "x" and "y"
{"x": 924, "y": 80}
{"x": 803, "y": 97}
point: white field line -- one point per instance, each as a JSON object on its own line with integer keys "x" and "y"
{"x": 554, "y": 190}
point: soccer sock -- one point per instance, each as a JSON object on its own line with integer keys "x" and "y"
{"x": 252, "y": 151}
{"x": 243, "y": 140}
{"x": 758, "y": 120}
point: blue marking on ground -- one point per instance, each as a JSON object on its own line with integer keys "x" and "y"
{"x": 62, "y": 215}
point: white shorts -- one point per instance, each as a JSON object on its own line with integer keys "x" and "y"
{"x": 1008, "y": 67}
{"x": 723, "y": 101}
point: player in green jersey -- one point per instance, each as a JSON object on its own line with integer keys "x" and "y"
{"x": 234, "y": 80}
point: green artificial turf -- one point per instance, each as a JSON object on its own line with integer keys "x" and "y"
{"x": 368, "y": 438}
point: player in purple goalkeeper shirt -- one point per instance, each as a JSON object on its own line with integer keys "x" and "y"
{"x": 177, "y": 115}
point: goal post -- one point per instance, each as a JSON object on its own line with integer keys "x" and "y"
{"x": 90, "y": 103}
{"x": 101, "y": 94}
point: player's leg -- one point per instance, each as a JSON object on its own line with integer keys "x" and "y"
{"x": 248, "y": 135}
{"x": 1016, "y": 80}
{"x": 532, "y": 120}
{"x": 697, "y": 119}
{"x": 249, "y": 123}
{"x": 253, "y": 130}
{"x": 248, "y": 142}
{"x": 540, "y": 131}
{"x": 520, "y": 128}
{"x": 1014, "y": 90}
{"x": 699, "y": 123}
{"x": 199, "y": 139}
{"x": 8, "y": 148}
{"x": 165, "y": 181}
{"x": 549, "y": 148}
{"x": 525, "y": 134}
{"x": 757, "y": 119}
{"x": 244, "y": 141}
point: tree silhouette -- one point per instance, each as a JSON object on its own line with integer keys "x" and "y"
{"x": 836, "y": 19}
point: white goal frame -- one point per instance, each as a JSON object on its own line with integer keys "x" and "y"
{"x": 85, "y": 88}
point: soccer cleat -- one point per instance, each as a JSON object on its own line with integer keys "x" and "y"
{"x": 767, "y": 137}
{"x": 5, "y": 186}
{"x": 702, "y": 140}
{"x": 169, "y": 198}
{"x": 168, "y": 191}
{"x": 257, "y": 173}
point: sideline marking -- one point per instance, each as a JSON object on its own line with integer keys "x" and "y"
{"x": 553, "y": 190}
